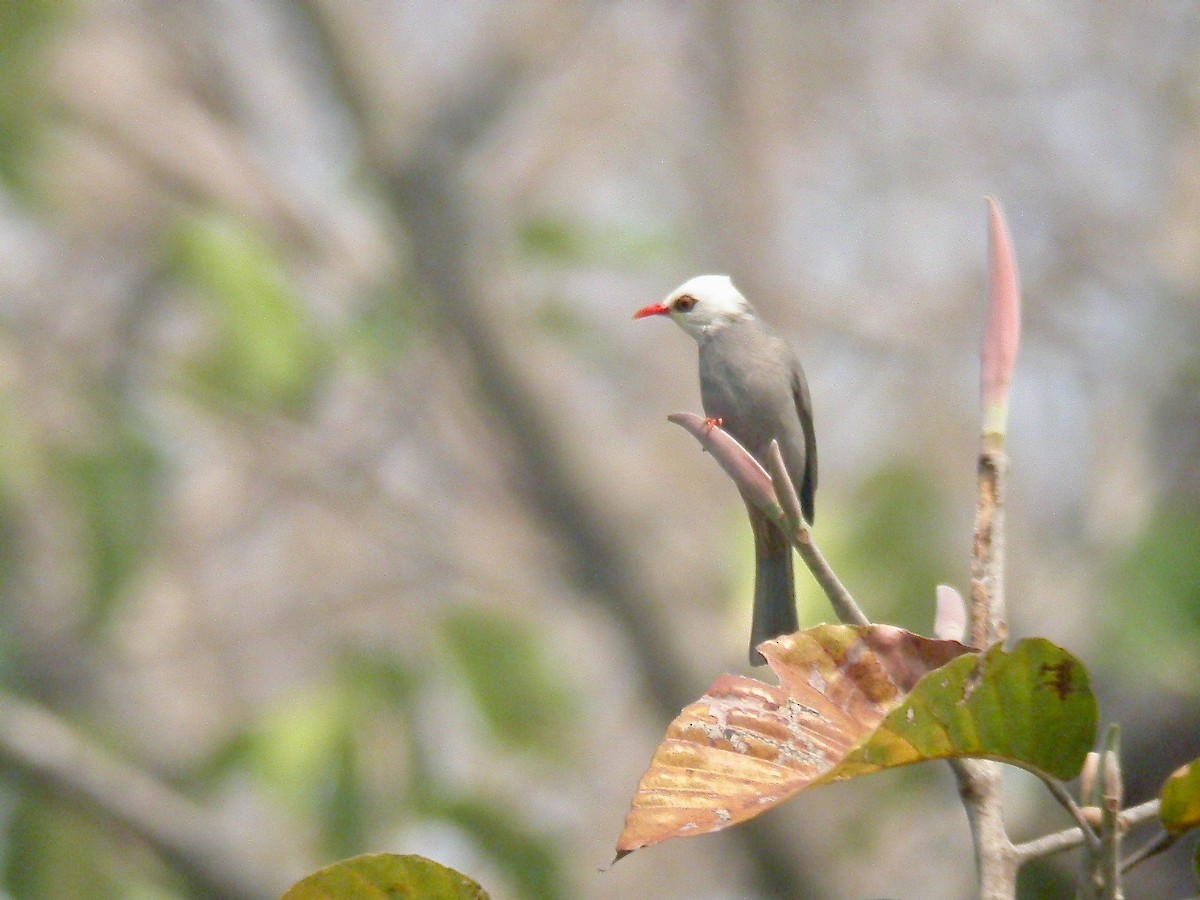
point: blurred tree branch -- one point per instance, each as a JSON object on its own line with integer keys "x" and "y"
{"x": 221, "y": 859}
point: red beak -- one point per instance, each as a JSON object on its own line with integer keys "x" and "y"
{"x": 654, "y": 309}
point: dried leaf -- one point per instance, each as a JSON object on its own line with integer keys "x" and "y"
{"x": 853, "y": 700}
{"x": 747, "y": 746}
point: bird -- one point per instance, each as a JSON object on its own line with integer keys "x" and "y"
{"x": 752, "y": 385}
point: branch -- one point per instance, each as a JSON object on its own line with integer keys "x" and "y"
{"x": 1073, "y": 837}
{"x": 979, "y": 780}
{"x": 221, "y": 859}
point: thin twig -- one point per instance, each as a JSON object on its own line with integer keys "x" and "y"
{"x": 801, "y": 537}
{"x": 785, "y": 488}
{"x": 1068, "y": 803}
{"x": 1110, "y": 826}
{"x": 1163, "y": 841}
{"x": 1070, "y": 838}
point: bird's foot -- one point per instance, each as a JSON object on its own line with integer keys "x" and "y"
{"x": 710, "y": 423}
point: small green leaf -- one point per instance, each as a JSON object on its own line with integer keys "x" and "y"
{"x": 1180, "y": 797}
{"x": 386, "y": 876}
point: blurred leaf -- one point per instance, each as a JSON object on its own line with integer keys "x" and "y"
{"x": 116, "y": 489}
{"x": 560, "y": 320}
{"x": 517, "y": 691}
{"x": 310, "y": 750}
{"x": 267, "y": 352}
{"x": 531, "y": 861}
{"x": 1180, "y": 810}
{"x": 844, "y": 710}
{"x": 24, "y": 27}
{"x": 551, "y": 239}
{"x": 384, "y": 876}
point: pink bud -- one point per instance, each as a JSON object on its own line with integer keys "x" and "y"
{"x": 1003, "y": 332}
{"x": 950, "y": 623}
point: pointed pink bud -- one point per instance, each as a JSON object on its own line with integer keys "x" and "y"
{"x": 747, "y": 473}
{"x": 1003, "y": 332}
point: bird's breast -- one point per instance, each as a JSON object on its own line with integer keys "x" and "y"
{"x": 747, "y": 388}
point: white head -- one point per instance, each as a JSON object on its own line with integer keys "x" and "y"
{"x": 701, "y": 305}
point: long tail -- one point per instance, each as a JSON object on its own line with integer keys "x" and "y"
{"x": 774, "y": 589}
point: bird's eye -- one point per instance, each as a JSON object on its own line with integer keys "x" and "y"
{"x": 684, "y": 303}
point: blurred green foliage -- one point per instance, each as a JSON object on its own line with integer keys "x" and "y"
{"x": 1152, "y": 606}
{"x": 346, "y": 756}
{"x": 267, "y": 352}
{"x": 889, "y": 547}
{"x": 513, "y": 683}
{"x": 52, "y": 850}
{"x": 529, "y": 859}
{"x": 115, "y": 487}
{"x": 551, "y": 239}
{"x": 24, "y": 27}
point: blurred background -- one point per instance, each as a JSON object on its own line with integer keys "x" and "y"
{"x": 339, "y": 509}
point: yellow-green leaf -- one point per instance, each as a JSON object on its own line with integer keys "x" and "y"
{"x": 1180, "y": 810}
{"x": 386, "y": 876}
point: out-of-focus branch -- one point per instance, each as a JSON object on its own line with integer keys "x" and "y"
{"x": 37, "y": 745}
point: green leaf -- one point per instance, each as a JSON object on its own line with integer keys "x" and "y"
{"x": 1032, "y": 708}
{"x": 266, "y": 351}
{"x": 384, "y": 876}
{"x": 1180, "y": 797}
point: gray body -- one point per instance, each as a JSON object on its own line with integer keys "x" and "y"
{"x": 752, "y": 381}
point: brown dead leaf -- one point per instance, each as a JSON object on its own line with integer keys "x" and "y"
{"x": 746, "y": 746}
